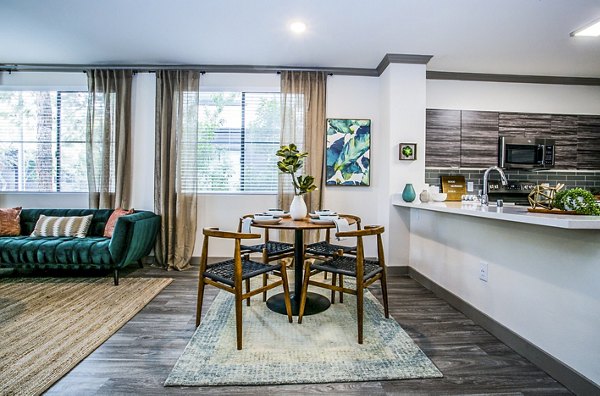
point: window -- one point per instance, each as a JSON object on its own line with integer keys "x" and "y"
{"x": 42, "y": 141}
{"x": 239, "y": 136}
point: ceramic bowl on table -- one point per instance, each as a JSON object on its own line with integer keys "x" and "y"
{"x": 324, "y": 212}
{"x": 439, "y": 197}
{"x": 263, "y": 216}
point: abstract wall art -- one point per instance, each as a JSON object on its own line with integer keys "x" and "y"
{"x": 348, "y": 152}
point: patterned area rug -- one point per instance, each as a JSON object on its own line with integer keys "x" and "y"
{"x": 48, "y": 325}
{"x": 322, "y": 349}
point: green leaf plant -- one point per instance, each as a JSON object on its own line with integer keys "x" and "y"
{"x": 291, "y": 161}
{"x": 577, "y": 199}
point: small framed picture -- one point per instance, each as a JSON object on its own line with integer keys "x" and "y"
{"x": 408, "y": 151}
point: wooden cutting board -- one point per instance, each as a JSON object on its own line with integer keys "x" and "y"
{"x": 552, "y": 211}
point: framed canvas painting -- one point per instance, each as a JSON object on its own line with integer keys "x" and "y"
{"x": 348, "y": 152}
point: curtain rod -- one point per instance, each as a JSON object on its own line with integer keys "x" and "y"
{"x": 203, "y": 68}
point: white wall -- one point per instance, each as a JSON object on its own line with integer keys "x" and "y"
{"x": 542, "y": 281}
{"x": 512, "y": 97}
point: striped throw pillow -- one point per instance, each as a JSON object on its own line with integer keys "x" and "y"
{"x": 72, "y": 226}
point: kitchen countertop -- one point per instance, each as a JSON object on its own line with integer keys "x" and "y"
{"x": 518, "y": 214}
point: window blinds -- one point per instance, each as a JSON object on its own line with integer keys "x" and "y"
{"x": 42, "y": 141}
{"x": 239, "y": 136}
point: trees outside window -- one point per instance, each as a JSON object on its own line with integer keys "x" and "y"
{"x": 42, "y": 141}
{"x": 239, "y": 136}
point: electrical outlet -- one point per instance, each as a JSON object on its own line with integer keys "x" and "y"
{"x": 483, "y": 271}
{"x": 470, "y": 186}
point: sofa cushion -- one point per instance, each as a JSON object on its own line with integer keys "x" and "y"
{"x": 112, "y": 220}
{"x": 49, "y": 251}
{"x": 29, "y": 218}
{"x": 10, "y": 221}
{"x": 58, "y": 226}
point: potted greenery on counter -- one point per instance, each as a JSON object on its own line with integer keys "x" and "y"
{"x": 577, "y": 199}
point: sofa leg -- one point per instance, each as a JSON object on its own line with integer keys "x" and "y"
{"x": 140, "y": 263}
{"x": 116, "y": 277}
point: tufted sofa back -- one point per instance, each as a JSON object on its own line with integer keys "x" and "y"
{"x": 30, "y": 216}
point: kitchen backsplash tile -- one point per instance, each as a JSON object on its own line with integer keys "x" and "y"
{"x": 571, "y": 179}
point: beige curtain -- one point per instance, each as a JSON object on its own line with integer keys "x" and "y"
{"x": 108, "y": 138}
{"x": 176, "y": 154}
{"x": 304, "y": 124}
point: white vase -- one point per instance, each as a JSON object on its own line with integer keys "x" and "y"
{"x": 298, "y": 208}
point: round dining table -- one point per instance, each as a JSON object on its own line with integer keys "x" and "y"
{"x": 315, "y": 303}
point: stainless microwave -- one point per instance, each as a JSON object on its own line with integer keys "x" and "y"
{"x": 523, "y": 153}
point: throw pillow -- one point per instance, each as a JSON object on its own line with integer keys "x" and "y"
{"x": 71, "y": 226}
{"x": 10, "y": 221}
{"x": 112, "y": 220}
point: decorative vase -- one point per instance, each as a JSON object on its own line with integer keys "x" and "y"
{"x": 425, "y": 196}
{"x": 298, "y": 208}
{"x": 409, "y": 195}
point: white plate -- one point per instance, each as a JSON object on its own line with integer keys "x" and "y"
{"x": 316, "y": 216}
{"x": 319, "y": 221}
{"x": 269, "y": 221}
{"x": 286, "y": 214}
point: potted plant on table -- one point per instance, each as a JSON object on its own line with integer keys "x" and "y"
{"x": 577, "y": 199}
{"x": 291, "y": 161}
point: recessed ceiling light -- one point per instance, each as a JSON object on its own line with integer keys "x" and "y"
{"x": 298, "y": 27}
{"x": 591, "y": 30}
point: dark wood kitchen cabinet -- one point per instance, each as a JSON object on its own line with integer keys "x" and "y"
{"x": 524, "y": 125}
{"x": 479, "y": 139}
{"x": 442, "y": 138}
{"x": 470, "y": 138}
{"x": 588, "y": 142}
{"x": 563, "y": 130}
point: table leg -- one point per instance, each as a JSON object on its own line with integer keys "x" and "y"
{"x": 315, "y": 303}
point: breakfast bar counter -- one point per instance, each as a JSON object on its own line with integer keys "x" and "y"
{"x": 532, "y": 275}
{"x": 518, "y": 214}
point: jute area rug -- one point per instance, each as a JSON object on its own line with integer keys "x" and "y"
{"x": 48, "y": 325}
{"x": 322, "y": 349}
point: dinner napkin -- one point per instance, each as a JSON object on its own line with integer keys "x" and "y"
{"x": 246, "y": 223}
{"x": 341, "y": 225}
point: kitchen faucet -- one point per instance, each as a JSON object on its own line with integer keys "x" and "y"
{"x": 484, "y": 196}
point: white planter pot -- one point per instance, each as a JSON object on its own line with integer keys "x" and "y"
{"x": 298, "y": 208}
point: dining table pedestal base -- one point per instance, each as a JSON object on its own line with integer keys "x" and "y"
{"x": 315, "y": 303}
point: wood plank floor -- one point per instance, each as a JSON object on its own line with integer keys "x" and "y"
{"x": 138, "y": 358}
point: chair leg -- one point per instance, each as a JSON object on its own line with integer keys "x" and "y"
{"x": 325, "y": 277}
{"x": 341, "y": 284}
{"x": 265, "y": 278}
{"x": 359, "y": 311}
{"x": 333, "y": 282}
{"x": 384, "y": 292}
{"x": 304, "y": 291}
{"x": 140, "y": 263}
{"x": 116, "y": 277}
{"x": 238, "y": 317}
{"x": 248, "y": 291}
{"x": 200, "y": 299}
{"x": 286, "y": 293}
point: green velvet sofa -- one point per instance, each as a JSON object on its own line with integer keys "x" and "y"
{"x": 133, "y": 238}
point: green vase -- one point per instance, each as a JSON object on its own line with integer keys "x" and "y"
{"x": 409, "y": 195}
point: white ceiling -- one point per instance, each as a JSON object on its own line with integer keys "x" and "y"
{"x": 492, "y": 36}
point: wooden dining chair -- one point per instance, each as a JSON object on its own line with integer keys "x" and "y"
{"x": 366, "y": 271}
{"x": 325, "y": 249}
{"x": 270, "y": 251}
{"x": 228, "y": 275}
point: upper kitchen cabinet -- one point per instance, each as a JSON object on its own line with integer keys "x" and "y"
{"x": 524, "y": 125}
{"x": 479, "y": 139}
{"x": 588, "y": 142}
{"x": 563, "y": 130}
{"x": 442, "y": 140}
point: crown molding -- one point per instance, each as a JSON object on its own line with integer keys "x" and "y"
{"x": 512, "y": 78}
{"x": 402, "y": 58}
